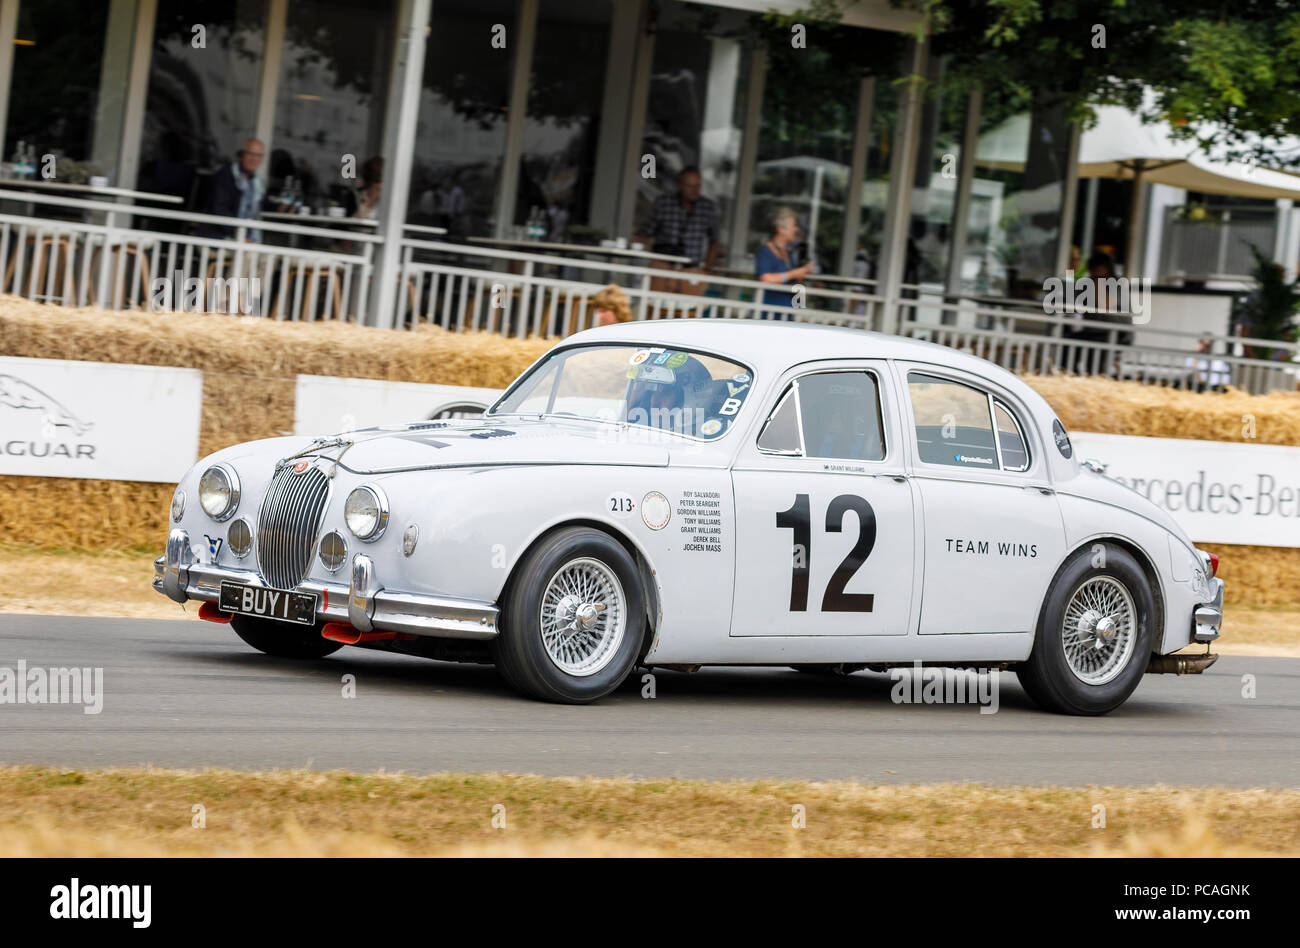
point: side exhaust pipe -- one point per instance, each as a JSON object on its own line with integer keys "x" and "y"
{"x": 1180, "y": 664}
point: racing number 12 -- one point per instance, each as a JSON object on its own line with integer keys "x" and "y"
{"x": 799, "y": 519}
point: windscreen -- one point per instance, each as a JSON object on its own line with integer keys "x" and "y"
{"x": 677, "y": 390}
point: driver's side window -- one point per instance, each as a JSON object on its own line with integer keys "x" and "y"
{"x": 827, "y": 415}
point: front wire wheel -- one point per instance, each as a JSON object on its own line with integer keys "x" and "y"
{"x": 573, "y": 619}
{"x": 583, "y": 617}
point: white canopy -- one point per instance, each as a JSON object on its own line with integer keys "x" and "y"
{"x": 1120, "y": 145}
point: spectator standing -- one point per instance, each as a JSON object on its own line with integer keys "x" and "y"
{"x": 773, "y": 263}
{"x": 683, "y": 224}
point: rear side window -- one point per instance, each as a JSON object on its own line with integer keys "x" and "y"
{"x": 1011, "y": 440}
{"x": 959, "y": 425}
{"x": 827, "y": 415}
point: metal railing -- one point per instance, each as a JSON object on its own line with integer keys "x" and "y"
{"x": 462, "y": 287}
{"x": 80, "y": 262}
{"x": 524, "y": 294}
{"x": 1020, "y": 336}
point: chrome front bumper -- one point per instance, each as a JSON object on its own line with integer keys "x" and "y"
{"x": 364, "y": 604}
{"x": 1207, "y": 618}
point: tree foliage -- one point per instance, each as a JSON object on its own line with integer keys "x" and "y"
{"x": 1224, "y": 75}
{"x": 1270, "y": 309}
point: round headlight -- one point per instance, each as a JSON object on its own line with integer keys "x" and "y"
{"x": 366, "y": 513}
{"x": 219, "y": 491}
{"x": 178, "y": 505}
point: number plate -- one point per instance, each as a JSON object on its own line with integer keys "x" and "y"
{"x": 279, "y": 604}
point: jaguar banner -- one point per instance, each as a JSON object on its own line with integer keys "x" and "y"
{"x": 98, "y": 419}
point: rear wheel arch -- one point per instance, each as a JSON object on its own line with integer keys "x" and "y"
{"x": 1148, "y": 568}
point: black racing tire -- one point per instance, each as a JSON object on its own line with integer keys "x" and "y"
{"x": 609, "y": 575}
{"x": 282, "y": 639}
{"x": 1094, "y": 681}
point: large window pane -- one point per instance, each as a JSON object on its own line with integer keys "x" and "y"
{"x": 696, "y": 104}
{"x": 332, "y": 96}
{"x": 461, "y": 137}
{"x": 564, "y": 100}
{"x": 934, "y": 190}
{"x": 873, "y": 198}
{"x": 1016, "y": 198}
{"x": 202, "y": 99}
{"x": 58, "y": 55}
{"x": 810, "y": 109}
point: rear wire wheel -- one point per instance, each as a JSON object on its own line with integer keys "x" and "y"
{"x": 1095, "y": 634}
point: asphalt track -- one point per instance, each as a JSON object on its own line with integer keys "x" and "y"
{"x": 190, "y": 694}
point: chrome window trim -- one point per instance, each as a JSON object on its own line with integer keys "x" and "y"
{"x": 1020, "y": 430}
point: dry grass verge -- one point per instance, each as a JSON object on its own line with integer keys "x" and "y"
{"x": 147, "y": 812}
{"x": 249, "y": 367}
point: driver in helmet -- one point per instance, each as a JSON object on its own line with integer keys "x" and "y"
{"x": 659, "y": 396}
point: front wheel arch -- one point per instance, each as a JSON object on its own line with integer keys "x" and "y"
{"x": 645, "y": 572}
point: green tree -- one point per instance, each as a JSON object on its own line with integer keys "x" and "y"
{"x": 1270, "y": 309}
{"x": 1224, "y": 75}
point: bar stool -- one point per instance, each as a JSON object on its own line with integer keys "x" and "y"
{"x": 249, "y": 269}
{"x": 119, "y": 256}
{"x": 41, "y": 251}
{"x": 309, "y": 273}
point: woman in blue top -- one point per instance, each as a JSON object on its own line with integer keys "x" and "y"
{"x": 772, "y": 263}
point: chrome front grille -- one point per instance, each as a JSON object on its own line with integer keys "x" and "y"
{"x": 288, "y": 523}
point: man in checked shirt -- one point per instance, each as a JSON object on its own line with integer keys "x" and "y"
{"x": 684, "y": 224}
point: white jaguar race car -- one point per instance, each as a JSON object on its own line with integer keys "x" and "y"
{"x": 698, "y": 492}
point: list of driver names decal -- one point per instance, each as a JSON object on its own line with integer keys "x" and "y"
{"x": 699, "y": 515}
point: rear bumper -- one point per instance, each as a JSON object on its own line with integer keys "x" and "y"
{"x": 364, "y": 603}
{"x": 1207, "y": 617}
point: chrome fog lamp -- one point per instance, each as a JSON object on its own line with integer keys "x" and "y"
{"x": 219, "y": 491}
{"x": 239, "y": 538}
{"x": 333, "y": 550}
{"x": 366, "y": 513}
